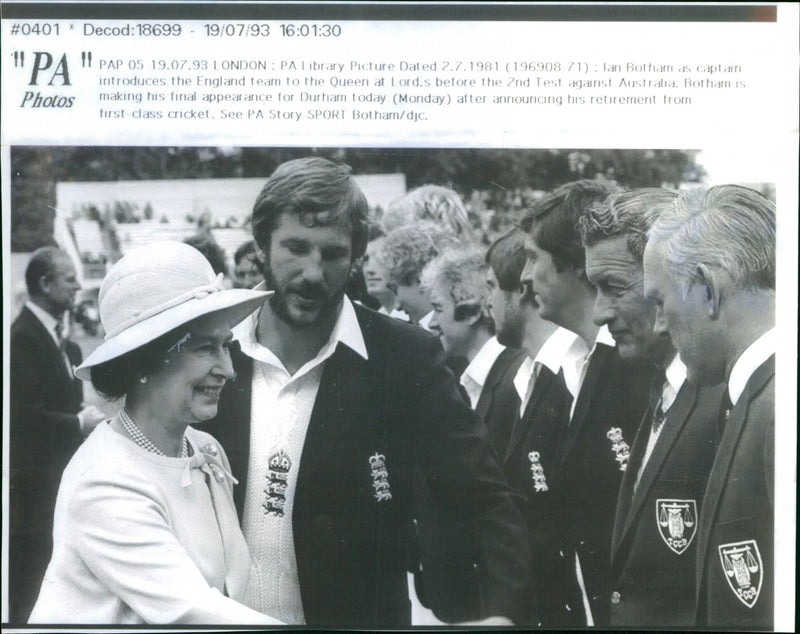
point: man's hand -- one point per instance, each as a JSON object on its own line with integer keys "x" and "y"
{"x": 89, "y": 417}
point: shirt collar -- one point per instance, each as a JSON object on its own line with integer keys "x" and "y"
{"x": 749, "y": 361}
{"x": 522, "y": 380}
{"x": 482, "y": 363}
{"x": 346, "y": 331}
{"x": 605, "y": 337}
{"x": 425, "y": 321}
{"x": 553, "y": 351}
{"x": 676, "y": 373}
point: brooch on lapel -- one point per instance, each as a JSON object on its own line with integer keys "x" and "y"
{"x": 380, "y": 477}
{"x": 744, "y": 571}
{"x": 277, "y": 481}
{"x": 211, "y": 450}
{"x": 676, "y": 523}
{"x": 537, "y": 473}
{"x": 619, "y": 447}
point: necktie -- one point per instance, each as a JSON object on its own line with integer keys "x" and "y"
{"x": 724, "y": 414}
{"x": 59, "y": 330}
{"x": 657, "y": 399}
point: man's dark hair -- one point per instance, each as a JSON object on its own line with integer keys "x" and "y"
{"x": 506, "y": 256}
{"x": 210, "y": 250}
{"x": 552, "y": 220}
{"x": 40, "y": 265}
{"x": 246, "y": 250}
{"x": 319, "y": 192}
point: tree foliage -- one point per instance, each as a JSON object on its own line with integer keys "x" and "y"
{"x": 497, "y": 175}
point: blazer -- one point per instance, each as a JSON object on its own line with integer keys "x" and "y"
{"x": 552, "y": 585}
{"x": 351, "y": 547}
{"x": 581, "y": 463}
{"x": 448, "y": 574}
{"x": 653, "y": 544}
{"x": 735, "y": 539}
{"x": 44, "y": 434}
{"x": 498, "y": 405}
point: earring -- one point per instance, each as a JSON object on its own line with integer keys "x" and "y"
{"x": 142, "y": 379}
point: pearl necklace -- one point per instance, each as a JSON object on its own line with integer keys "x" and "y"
{"x": 143, "y": 441}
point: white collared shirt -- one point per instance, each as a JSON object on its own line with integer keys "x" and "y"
{"x": 426, "y": 321}
{"x": 395, "y": 312}
{"x": 551, "y": 355}
{"x": 749, "y": 361}
{"x": 281, "y": 406}
{"x": 676, "y": 375}
{"x": 523, "y": 383}
{"x": 474, "y": 376}
{"x": 565, "y": 350}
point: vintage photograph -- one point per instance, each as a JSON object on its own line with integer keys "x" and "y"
{"x": 378, "y": 388}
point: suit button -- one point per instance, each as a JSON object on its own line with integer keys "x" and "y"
{"x": 615, "y": 598}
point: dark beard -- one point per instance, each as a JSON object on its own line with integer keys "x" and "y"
{"x": 512, "y": 336}
{"x": 528, "y": 297}
{"x": 329, "y": 305}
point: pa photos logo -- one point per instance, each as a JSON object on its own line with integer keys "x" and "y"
{"x": 741, "y": 563}
{"x": 677, "y": 523}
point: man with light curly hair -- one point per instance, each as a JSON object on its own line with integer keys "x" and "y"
{"x": 404, "y": 253}
{"x": 431, "y": 203}
{"x": 461, "y": 318}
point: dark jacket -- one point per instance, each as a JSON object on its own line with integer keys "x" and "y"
{"x": 44, "y": 434}
{"x": 351, "y": 548}
{"x": 583, "y": 471}
{"x": 735, "y": 540}
{"x": 498, "y": 405}
{"x": 653, "y": 547}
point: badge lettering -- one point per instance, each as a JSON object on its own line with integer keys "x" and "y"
{"x": 676, "y": 521}
{"x": 743, "y": 569}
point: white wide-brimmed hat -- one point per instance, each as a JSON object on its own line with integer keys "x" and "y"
{"x": 156, "y": 288}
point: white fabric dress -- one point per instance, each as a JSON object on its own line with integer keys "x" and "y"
{"x": 144, "y": 538}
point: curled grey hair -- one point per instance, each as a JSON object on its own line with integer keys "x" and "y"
{"x": 462, "y": 273}
{"x": 432, "y": 203}
{"x": 407, "y": 250}
{"x": 627, "y": 213}
{"x": 727, "y": 227}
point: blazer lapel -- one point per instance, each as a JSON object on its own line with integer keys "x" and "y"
{"x": 493, "y": 380}
{"x": 593, "y": 374}
{"x": 722, "y": 463}
{"x": 57, "y": 357}
{"x": 336, "y": 407}
{"x": 677, "y": 416}
{"x": 625, "y": 496}
{"x": 540, "y": 388}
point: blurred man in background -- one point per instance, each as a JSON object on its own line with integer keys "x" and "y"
{"x": 405, "y": 252}
{"x": 377, "y": 280}
{"x": 48, "y": 419}
{"x": 246, "y": 267}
